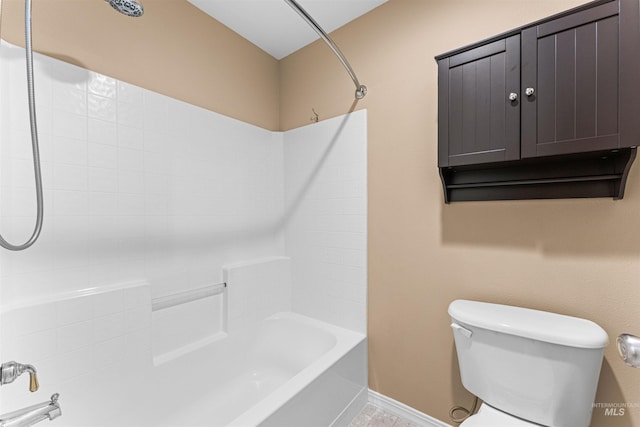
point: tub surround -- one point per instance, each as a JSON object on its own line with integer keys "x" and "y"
{"x": 76, "y": 340}
{"x": 256, "y": 289}
{"x": 147, "y": 196}
{"x": 326, "y": 219}
{"x": 137, "y": 185}
{"x": 253, "y": 376}
{"x": 140, "y": 186}
{"x": 253, "y": 290}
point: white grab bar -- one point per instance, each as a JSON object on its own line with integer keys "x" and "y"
{"x": 178, "y": 298}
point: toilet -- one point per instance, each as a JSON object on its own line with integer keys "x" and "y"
{"x": 530, "y": 368}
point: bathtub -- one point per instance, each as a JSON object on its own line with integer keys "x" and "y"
{"x": 287, "y": 370}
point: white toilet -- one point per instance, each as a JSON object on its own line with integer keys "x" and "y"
{"x": 529, "y": 367}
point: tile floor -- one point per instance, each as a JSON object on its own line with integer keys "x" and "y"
{"x": 372, "y": 416}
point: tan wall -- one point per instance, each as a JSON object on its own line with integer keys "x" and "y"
{"x": 174, "y": 49}
{"x": 579, "y": 257}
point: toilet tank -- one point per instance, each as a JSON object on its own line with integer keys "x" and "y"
{"x": 539, "y": 366}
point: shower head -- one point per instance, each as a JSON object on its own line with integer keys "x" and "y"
{"x": 127, "y": 7}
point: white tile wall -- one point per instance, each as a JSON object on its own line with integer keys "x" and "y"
{"x": 140, "y": 187}
{"x": 326, "y": 219}
{"x": 137, "y": 185}
{"x": 186, "y": 327}
{"x": 76, "y": 336}
{"x": 256, "y": 289}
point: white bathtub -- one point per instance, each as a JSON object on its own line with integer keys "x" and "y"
{"x": 287, "y": 371}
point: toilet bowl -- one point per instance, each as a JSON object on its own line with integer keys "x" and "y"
{"x": 529, "y": 367}
{"x": 491, "y": 417}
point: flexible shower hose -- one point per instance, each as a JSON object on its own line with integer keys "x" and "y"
{"x": 34, "y": 137}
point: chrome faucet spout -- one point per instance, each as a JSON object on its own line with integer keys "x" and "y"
{"x": 33, "y": 414}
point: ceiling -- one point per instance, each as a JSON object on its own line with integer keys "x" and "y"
{"x": 275, "y": 27}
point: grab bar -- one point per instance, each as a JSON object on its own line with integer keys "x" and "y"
{"x": 179, "y": 298}
{"x": 361, "y": 90}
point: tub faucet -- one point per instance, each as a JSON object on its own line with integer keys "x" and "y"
{"x": 9, "y": 371}
{"x": 31, "y": 415}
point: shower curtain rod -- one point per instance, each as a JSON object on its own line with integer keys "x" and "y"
{"x": 361, "y": 90}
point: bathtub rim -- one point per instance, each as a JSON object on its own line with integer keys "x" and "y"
{"x": 346, "y": 340}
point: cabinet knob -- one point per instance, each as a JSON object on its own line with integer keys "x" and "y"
{"x": 529, "y": 91}
{"x": 513, "y": 96}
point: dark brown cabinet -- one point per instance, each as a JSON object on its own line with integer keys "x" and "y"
{"x": 482, "y": 124}
{"x": 544, "y": 111}
{"x": 572, "y": 63}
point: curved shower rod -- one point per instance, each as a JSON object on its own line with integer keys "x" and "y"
{"x": 361, "y": 90}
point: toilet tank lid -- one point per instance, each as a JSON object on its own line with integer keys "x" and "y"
{"x": 538, "y": 325}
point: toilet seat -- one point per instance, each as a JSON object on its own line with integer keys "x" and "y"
{"x": 488, "y": 416}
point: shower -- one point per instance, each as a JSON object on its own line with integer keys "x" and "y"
{"x": 134, "y": 9}
{"x": 34, "y": 138}
{"x": 126, "y": 7}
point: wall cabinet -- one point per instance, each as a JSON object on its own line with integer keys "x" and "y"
{"x": 474, "y": 89}
{"x": 547, "y": 110}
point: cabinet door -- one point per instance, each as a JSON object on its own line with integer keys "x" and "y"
{"x": 570, "y": 71}
{"x": 477, "y": 122}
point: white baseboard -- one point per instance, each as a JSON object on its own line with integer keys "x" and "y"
{"x": 397, "y": 408}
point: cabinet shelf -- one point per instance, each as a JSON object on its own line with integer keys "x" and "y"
{"x": 539, "y": 181}
{"x": 601, "y": 174}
